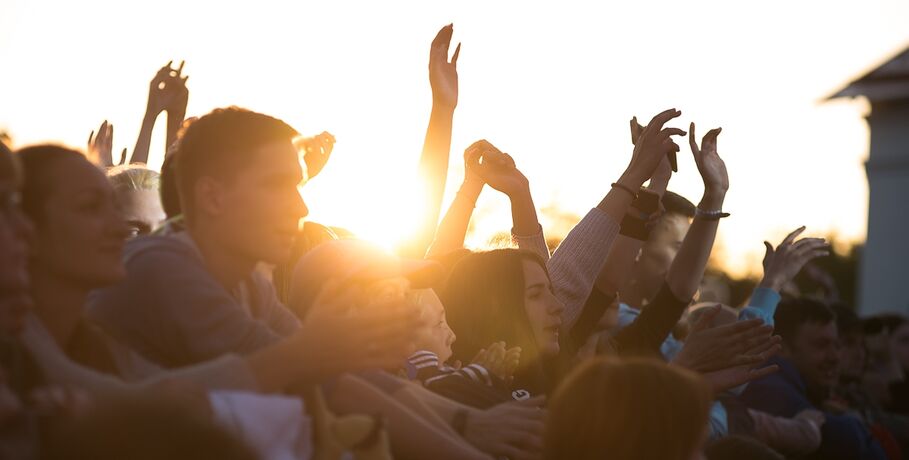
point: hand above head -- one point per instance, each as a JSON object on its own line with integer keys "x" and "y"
{"x": 709, "y": 163}
{"x": 317, "y": 150}
{"x": 783, "y": 263}
{"x": 495, "y": 168}
{"x": 742, "y": 343}
{"x": 100, "y": 146}
{"x": 651, "y": 145}
{"x": 443, "y": 74}
{"x": 665, "y": 169}
{"x": 167, "y": 92}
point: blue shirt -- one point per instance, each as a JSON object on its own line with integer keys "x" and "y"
{"x": 784, "y": 394}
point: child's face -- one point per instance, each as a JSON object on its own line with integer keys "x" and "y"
{"x": 436, "y": 336}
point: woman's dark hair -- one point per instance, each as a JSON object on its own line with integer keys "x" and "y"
{"x": 484, "y": 303}
{"x": 627, "y": 408}
{"x": 37, "y": 162}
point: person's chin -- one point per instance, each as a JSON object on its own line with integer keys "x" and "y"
{"x": 551, "y": 349}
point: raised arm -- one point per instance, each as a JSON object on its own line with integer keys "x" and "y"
{"x": 166, "y": 92}
{"x": 781, "y": 265}
{"x": 626, "y": 248}
{"x": 443, "y": 78}
{"x": 498, "y": 169}
{"x": 687, "y": 269}
{"x": 578, "y": 261}
{"x": 453, "y": 228}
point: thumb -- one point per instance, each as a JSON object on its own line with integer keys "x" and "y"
{"x": 768, "y": 253}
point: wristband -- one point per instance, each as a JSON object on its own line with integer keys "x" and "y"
{"x": 709, "y": 215}
{"x": 631, "y": 191}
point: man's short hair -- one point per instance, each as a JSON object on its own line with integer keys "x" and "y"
{"x": 220, "y": 144}
{"x": 792, "y": 313}
{"x": 677, "y": 204}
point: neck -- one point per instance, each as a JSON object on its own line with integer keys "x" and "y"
{"x": 59, "y": 304}
{"x": 227, "y": 267}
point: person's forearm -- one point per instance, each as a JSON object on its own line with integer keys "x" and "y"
{"x": 688, "y": 267}
{"x": 523, "y": 213}
{"x": 143, "y": 142}
{"x": 411, "y": 437}
{"x": 453, "y": 228}
{"x": 174, "y": 122}
{"x": 616, "y": 270}
{"x": 433, "y": 172}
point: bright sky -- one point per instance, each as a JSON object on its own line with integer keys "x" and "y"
{"x": 552, "y": 83}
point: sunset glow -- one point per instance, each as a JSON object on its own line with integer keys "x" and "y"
{"x": 553, "y": 84}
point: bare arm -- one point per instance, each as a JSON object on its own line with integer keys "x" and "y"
{"x": 616, "y": 270}
{"x": 453, "y": 228}
{"x": 687, "y": 269}
{"x": 577, "y": 262}
{"x": 166, "y": 92}
{"x": 443, "y": 78}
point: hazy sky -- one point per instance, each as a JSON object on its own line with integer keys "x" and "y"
{"x": 553, "y": 83}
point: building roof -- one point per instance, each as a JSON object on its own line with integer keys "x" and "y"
{"x": 887, "y": 82}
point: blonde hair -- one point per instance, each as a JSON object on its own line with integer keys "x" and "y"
{"x": 134, "y": 176}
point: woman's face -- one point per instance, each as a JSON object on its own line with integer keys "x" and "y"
{"x": 543, "y": 309}
{"x": 81, "y": 234}
{"x": 14, "y": 233}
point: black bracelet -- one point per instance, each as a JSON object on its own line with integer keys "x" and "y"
{"x": 631, "y": 191}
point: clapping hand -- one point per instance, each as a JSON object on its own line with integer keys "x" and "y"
{"x": 495, "y": 168}
{"x": 499, "y": 360}
{"x": 167, "y": 92}
{"x": 783, "y": 263}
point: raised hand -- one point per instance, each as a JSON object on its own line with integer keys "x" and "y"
{"x": 743, "y": 343}
{"x": 443, "y": 74}
{"x": 783, "y": 263}
{"x": 671, "y": 159}
{"x": 100, "y": 146}
{"x": 168, "y": 92}
{"x": 496, "y": 168}
{"x": 710, "y": 165}
{"x": 650, "y": 147}
{"x": 316, "y": 152}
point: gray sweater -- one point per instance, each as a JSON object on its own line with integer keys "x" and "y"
{"x": 174, "y": 313}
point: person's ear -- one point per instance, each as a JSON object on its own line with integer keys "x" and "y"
{"x": 209, "y": 194}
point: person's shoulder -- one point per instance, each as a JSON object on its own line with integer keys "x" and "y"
{"x": 154, "y": 244}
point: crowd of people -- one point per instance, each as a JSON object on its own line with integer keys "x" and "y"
{"x": 192, "y": 314}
